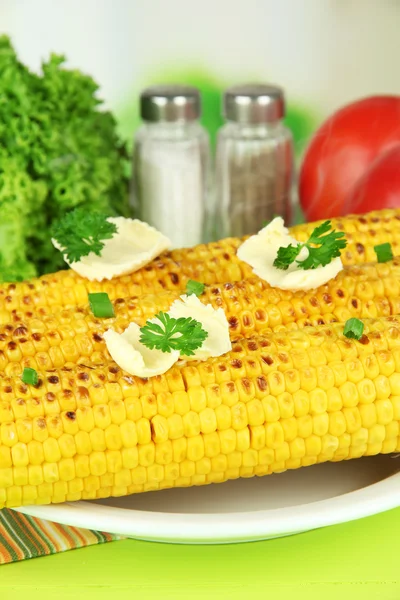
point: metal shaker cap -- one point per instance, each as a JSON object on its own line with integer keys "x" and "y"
{"x": 254, "y": 103}
{"x": 170, "y": 103}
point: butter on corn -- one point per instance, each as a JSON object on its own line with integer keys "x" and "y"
{"x": 279, "y": 401}
{"x": 211, "y": 263}
{"x": 260, "y": 251}
{"x": 134, "y": 357}
{"x": 133, "y": 246}
{"x": 213, "y": 321}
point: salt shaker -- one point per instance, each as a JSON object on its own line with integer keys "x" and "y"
{"x": 171, "y": 164}
{"x": 254, "y": 160}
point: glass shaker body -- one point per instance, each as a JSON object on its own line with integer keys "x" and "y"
{"x": 171, "y": 178}
{"x": 254, "y": 176}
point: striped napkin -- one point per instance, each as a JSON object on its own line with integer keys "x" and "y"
{"x": 24, "y": 537}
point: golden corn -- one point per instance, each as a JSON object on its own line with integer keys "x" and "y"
{"x": 55, "y": 336}
{"x": 212, "y": 263}
{"x": 278, "y": 401}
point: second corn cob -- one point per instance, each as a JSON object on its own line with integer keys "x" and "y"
{"x": 52, "y": 338}
{"x": 212, "y": 263}
{"x": 279, "y": 401}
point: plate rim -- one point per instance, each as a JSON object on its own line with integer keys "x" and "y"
{"x": 232, "y": 527}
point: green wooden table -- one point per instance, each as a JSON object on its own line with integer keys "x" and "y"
{"x": 354, "y": 561}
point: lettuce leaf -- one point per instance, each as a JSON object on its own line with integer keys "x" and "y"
{"x": 58, "y": 150}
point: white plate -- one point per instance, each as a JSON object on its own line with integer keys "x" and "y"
{"x": 243, "y": 510}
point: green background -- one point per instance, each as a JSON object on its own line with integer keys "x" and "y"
{"x": 353, "y": 561}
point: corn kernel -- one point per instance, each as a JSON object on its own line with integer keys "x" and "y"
{"x": 212, "y": 446}
{"x": 223, "y": 416}
{"x": 286, "y": 405}
{"x": 243, "y": 439}
{"x": 353, "y": 419}
{"x": 143, "y": 431}
{"x": 227, "y": 440}
{"x": 376, "y": 434}
{"x": 208, "y": 420}
{"x": 175, "y": 427}
{"x": 274, "y": 435}
{"x": 271, "y": 409}
{"x": 164, "y": 453}
{"x": 313, "y": 445}
{"x": 179, "y": 448}
{"x": 191, "y": 424}
{"x": 159, "y": 427}
{"x": 337, "y": 423}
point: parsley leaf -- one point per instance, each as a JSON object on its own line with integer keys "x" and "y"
{"x": 323, "y": 245}
{"x": 183, "y": 334}
{"x": 194, "y": 287}
{"x": 353, "y": 328}
{"x": 81, "y": 232}
{"x": 286, "y": 255}
{"x": 383, "y": 252}
{"x": 29, "y": 376}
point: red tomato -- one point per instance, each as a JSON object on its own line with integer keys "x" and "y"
{"x": 379, "y": 187}
{"x": 342, "y": 151}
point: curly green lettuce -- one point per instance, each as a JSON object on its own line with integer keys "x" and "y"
{"x": 58, "y": 150}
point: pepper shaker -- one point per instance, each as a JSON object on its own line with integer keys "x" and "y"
{"x": 254, "y": 160}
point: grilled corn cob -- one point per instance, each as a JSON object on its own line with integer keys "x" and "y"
{"x": 53, "y": 338}
{"x": 276, "y": 402}
{"x": 212, "y": 263}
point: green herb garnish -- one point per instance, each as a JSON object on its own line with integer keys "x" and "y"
{"x": 81, "y": 232}
{"x": 323, "y": 245}
{"x": 100, "y": 305}
{"x": 194, "y": 287}
{"x": 353, "y": 328}
{"x": 29, "y": 376}
{"x": 183, "y": 334}
{"x": 383, "y": 252}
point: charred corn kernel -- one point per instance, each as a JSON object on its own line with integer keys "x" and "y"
{"x": 113, "y": 443}
{"x": 143, "y": 431}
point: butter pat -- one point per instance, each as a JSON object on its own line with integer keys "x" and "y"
{"x": 135, "y": 358}
{"x": 260, "y": 251}
{"x": 133, "y": 246}
{"x": 213, "y": 321}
